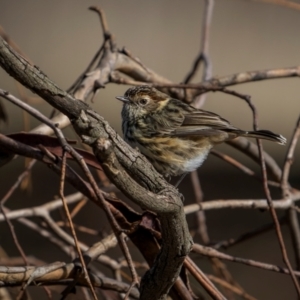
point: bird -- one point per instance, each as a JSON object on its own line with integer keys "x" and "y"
{"x": 175, "y": 136}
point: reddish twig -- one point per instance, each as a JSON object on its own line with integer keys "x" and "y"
{"x": 203, "y": 279}
{"x": 266, "y": 188}
{"x": 241, "y": 166}
{"x": 3, "y": 209}
{"x": 202, "y": 228}
{"x": 268, "y": 195}
{"x": 81, "y": 162}
{"x": 230, "y": 287}
{"x": 210, "y": 252}
{"x": 67, "y": 212}
{"x": 274, "y": 216}
{"x": 246, "y": 236}
{"x": 218, "y": 266}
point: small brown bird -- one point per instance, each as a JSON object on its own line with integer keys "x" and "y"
{"x": 173, "y": 135}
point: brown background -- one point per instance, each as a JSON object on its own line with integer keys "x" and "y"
{"x": 62, "y": 36}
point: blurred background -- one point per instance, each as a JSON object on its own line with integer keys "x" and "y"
{"x": 61, "y": 37}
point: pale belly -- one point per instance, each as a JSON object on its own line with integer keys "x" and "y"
{"x": 194, "y": 163}
{"x": 185, "y": 157}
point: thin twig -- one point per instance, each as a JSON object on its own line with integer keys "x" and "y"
{"x": 217, "y": 265}
{"x": 203, "y": 56}
{"x": 76, "y": 84}
{"x": 205, "y": 40}
{"x": 36, "y": 114}
{"x": 115, "y": 226}
{"x": 275, "y": 219}
{"x": 14, "y": 235}
{"x": 201, "y": 227}
{"x": 106, "y": 33}
{"x": 203, "y": 279}
{"x": 230, "y": 287}
{"x": 246, "y": 236}
{"x": 270, "y": 201}
{"x": 285, "y": 187}
{"x": 103, "y": 20}
{"x": 210, "y": 252}
{"x": 266, "y": 188}
{"x": 245, "y": 204}
{"x": 295, "y": 233}
{"x": 289, "y": 160}
{"x": 3, "y": 209}
{"x": 241, "y": 166}
{"x": 66, "y": 208}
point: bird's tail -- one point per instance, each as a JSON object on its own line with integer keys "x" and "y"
{"x": 266, "y": 135}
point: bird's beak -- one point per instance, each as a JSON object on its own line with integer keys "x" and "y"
{"x": 123, "y": 99}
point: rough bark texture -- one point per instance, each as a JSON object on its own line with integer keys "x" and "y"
{"x": 144, "y": 185}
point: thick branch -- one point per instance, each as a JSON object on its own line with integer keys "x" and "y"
{"x": 92, "y": 128}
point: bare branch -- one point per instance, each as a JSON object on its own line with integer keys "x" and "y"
{"x": 207, "y": 251}
{"x": 96, "y": 132}
{"x": 285, "y": 3}
{"x": 15, "y": 276}
{"x": 245, "y": 204}
{"x": 161, "y": 233}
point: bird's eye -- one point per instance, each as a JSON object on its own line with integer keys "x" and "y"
{"x": 143, "y": 101}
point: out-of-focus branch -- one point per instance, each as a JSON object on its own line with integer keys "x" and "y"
{"x": 251, "y": 150}
{"x": 289, "y": 160}
{"x": 4, "y": 210}
{"x": 285, "y": 3}
{"x": 245, "y": 204}
{"x": 204, "y": 52}
{"x": 266, "y": 188}
{"x": 241, "y": 166}
{"x": 246, "y": 236}
{"x": 203, "y": 56}
{"x": 285, "y": 187}
{"x": 231, "y": 287}
{"x": 15, "y": 276}
{"x": 203, "y": 279}
{"x": 207, "y": 251}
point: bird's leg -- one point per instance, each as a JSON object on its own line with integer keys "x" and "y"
{"x": 180, "y": 179}
{"x": 166, "y": 190}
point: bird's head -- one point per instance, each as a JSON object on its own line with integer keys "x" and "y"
{"x": 142, "y": 100}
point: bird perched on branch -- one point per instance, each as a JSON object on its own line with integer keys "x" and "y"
{"x": 173, "y": 135}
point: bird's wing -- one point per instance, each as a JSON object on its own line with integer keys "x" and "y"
{"x": 164, "y": 121}
{"x": 180, "y": 119}
{"x": 161, "y": 125}
{"x": 201, "y": 122}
